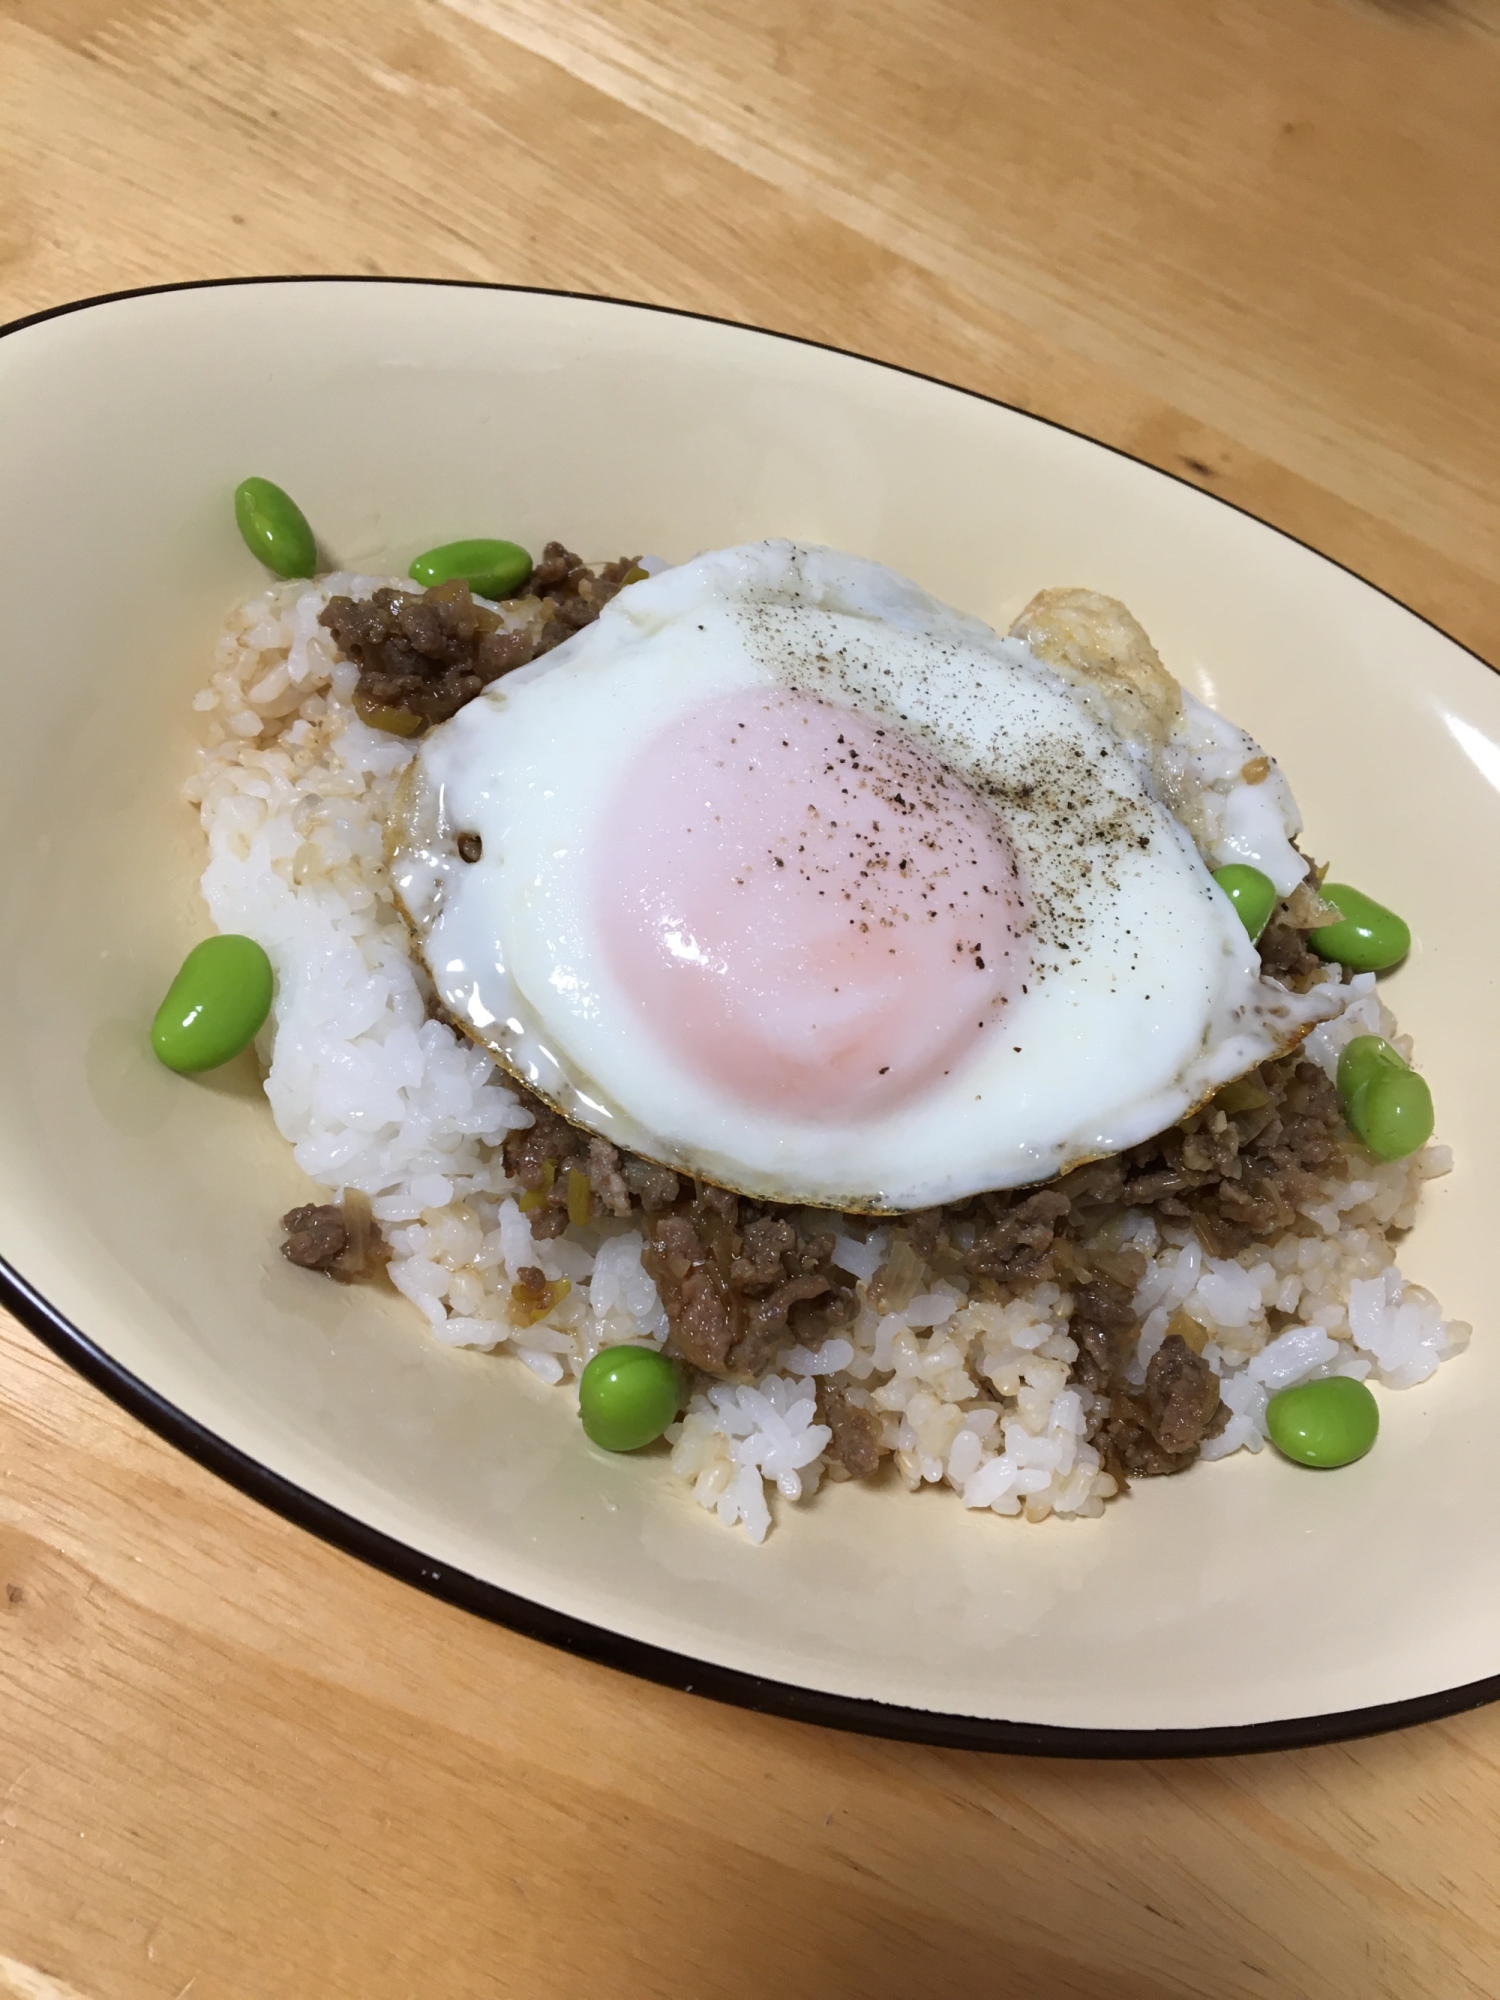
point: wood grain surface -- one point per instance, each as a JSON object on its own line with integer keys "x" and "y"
{"x": 1254, "y": 243}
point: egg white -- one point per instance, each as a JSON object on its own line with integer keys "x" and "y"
{"x": 1145, "y": 995}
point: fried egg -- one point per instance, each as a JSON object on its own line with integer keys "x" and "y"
{"x": 786, "y": 875}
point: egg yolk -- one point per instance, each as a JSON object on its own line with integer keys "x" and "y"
{"x": 806, "y": 906}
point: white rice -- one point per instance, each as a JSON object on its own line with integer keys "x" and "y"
{"x": 293, "y": 791}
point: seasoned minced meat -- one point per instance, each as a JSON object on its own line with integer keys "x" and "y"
{"x": 1160, "y": 1427}
{"x": 742, "y": 1280}
{"x": 315, "y": 1235}
{"x": 1155, "y": 1428}
{"x": 575, "y": 593}
{"x": 556, "y": 1164}
{"x": 652, "y": 1186}
{"x": 340, "y": 1238}
{"x": 1016, "y": 1242}
{"x": 423, "y": 654}
{"x": 693, "y": 1292}
{"x": 856, "y": 1439}
{"x": 1236, "y": 1170}
{"x": 1181, "y": 1396}
{"x": 739, "y": 1282}
{"x": 1283, "y": 945}
{"x": 1285, "y": 956}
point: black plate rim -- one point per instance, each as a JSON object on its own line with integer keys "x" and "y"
{"x": 595, "y": 1643}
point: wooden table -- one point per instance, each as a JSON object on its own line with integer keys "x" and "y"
{"x": 1254, "y": 243}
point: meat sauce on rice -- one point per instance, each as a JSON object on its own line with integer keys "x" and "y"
{"x": 1034, "y": 1349}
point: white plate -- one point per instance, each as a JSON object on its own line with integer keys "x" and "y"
{"x": 1245, "y": 1603}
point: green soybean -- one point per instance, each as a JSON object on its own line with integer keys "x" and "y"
{"x": 1392, "y": 1114}
{"x": 215, "y": 1006}
{"x": 1327, "y": 1423}
{"x": 1368, "y": 938}
{"x": 1252, "y": 894}
{"x": 1362, "y": 1059}
{"x": 490, "y": 569}
{"x": 275, "y": 528}
{"x": 627, "y": 1396}
{"x": 1387, "y": 1105}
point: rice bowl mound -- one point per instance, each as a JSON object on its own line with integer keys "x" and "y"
{"x": 1027, "y": 1354}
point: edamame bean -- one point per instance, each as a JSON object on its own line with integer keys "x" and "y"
{"x": 627, "y": 1396}
{"x": 1327, "y": 1423}
{"x": 275, "y": 528}
{"x": 490, "y": 569}
{"x": 1252, "y": 894}
{"x": 1393, "y": 1114}
{"x": 1387, "y": 1105}
{"x": 1360, "y": 1060}
{"x": 1368, "y": 938}
{"x": 215, "y": 1006}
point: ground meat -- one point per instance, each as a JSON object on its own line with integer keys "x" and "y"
{"x": 856, "y": 1441}
{"x": 574, "y": 593}
{"x": 315, "y": 1236}
{"x": 764, "y": 1248}
{"x": 740, "y": 1282}
{"x": 340, "y": 1238}
{"x": 1282, "y": 1147}
{"x": 1181, "y": 1396}
{"x": 694, "y": 1293}
{"x": 1018, "y": 1242}
{"x": 607, "y": 1183}
{"x": 652, "y": 1186}
{"x": 722, "y": 1202}
{"x": 549, "y": 1217}
{"x": 1160, "y": 1427}
{"x": 769, "y": 1321}
{"x": 533, "y": 1157}
{"x": 423, "y": 654}
{"x": 547, "y": 1157}
{"x": 1285, "y": 956}
{"x": 1104, "y": 1328}
{"x": 1146, "y": 1431}
{"x": 926, "y": 1231}
{"x": 1128, "y": 1450}
{"x": 1237, "y": 1170}
{"x": 562, "y": 1170}
{"x": 534, "y": 1294}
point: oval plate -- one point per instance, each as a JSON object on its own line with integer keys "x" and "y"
{"x": 1247, "y": 1604}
